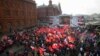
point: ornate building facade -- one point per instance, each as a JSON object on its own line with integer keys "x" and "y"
{"x": 44, "y": 11}
{"x": 17, "y": 14}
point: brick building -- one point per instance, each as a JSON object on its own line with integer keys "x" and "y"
{"x": 44, "y": 11}
{"x": 17, "y": 14}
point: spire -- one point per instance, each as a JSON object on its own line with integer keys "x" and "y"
{"x": 50, "y": 2}
{"x": 60, "y": 8}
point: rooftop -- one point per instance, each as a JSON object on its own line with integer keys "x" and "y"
{"x": 32, "y": 1}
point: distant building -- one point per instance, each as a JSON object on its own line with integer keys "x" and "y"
{"x": 65, "y": 19}
{"x": 96, "y": 17}
{"x": 93, "y": 19}
{"x": 44, "y": 11}
{"x": 17, "y": 14}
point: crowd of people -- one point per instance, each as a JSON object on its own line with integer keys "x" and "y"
{"x": 59, "y": 40}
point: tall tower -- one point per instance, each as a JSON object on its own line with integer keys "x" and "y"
{"x": 50, "y": 2}
{"x": 60, "y": 8}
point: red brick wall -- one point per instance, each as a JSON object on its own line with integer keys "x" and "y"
{"x": 17, "y": 13}
{"x": 48, "y": 11}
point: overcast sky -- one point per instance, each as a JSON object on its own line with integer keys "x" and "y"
{"x": 75, "y": 6}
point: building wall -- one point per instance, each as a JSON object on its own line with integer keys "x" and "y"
{"x": 49, "y": 10}
{"x": 16, "y": 14}
{"x": 45, "y": 11}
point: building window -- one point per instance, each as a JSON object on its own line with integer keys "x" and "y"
{"x": 1, "y": 3}
{"x": 0, "y": 28}
{"x": 16, "y": 12}
{"x": 6, "y": 12}
{"x": 10, "y": 27}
